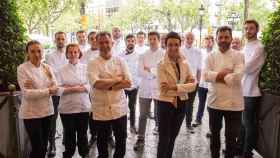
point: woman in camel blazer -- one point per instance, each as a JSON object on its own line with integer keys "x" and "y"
{"x": 175, "y": 81}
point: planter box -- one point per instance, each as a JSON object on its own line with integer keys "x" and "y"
{"x": 269, "y": 126}
{"x": 14, "y": 141}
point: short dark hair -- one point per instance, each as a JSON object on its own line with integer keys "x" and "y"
{"x": 141, "y": 33}
{"x": 30, "y": 43}
{"x": 103, "y": 33}
{"x": 172, "y": 35}
{"x": 80, "y": 31}
{"x": 154, "y": 33}
{"x": 73, "y": 45}
{"x": 224, "y": 29}
{"x": 59, "y": 32}
{"x": 129, "y": 36}
{"x": 252, "y": 21}
{"x": 92, "y": 32}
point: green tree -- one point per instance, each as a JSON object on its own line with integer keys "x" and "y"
{"x": 186, "y": 15}
{"x": 253, "y": 9}
{"x": 12, "y": 41}
{"x": 166, "y": 14}
{"x": 41, "y": 15}
{"x": 270, "y": 74}
{"x": 132, "y": 16}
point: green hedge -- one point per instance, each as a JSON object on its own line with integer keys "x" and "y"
{"x": 270, "y": 74}
{"x": 12, "y": 41}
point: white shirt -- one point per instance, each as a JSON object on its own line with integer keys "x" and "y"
{"x": 132, "y": 63}
{"x": 227, "y": 96}
{"x": 84, "y": 48}
{"x": 88, "y": 56}
{"x": 148, "y": 87}
{"x": 71, "y": 103}
{"x": 141, "y": 49}
{"x": 35, "y": 102}
{"x": 193, "y": 56}
{"x": 204, "y": 55}
{"x": 118, "y": 47}
{"x": 254, "y": 59}
{"x": 107, "y": 104}
{"x": 56, "y": 60}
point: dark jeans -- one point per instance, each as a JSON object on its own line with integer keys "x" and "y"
{"x": 75, "y": 132}
{"x": 132, "y": 97}
{"x": 202, "y": 96}
{"x": 38, "y": 131}
{"x": 92, "y": 126}
{"x": 232, "y": 128}
{"x": 119, "y": 127}
{"x": 55, "y": 100}
{"x": 189, "y": 108}
{"x": 170, "y": 121}
{"x": 248, "y": 134}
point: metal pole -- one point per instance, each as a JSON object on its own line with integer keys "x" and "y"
{"x": 200, "y": 30}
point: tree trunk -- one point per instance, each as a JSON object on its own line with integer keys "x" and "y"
{"x": 246, "y": 9}
{"x": 82, "y": 8}
{"x": 246, "y": 14}
{"x": 47, "y": 29}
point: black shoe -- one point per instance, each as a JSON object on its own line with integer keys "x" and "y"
{"x": 51, "y": 150}
{"x": 112, "y": 142}
{"x": 133, "y": 130}
{"x": 208, "y": 134}
{"x": 190, "y": 129}
{"x": 92, "y": 140}
{"x": 196, "y": 124}
{"x": 139, "y": 145}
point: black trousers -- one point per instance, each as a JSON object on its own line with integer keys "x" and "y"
{"x": 119, "y": 128}
{"x": 38, "y": 132}
{"x": 232, "y": 128}
{"x": 170, "y": 121}
{"x": 55, "y": 100}
{"x": 189, "y": 110}
{"x": 132, "y": 97}
{"x": 75, "y": 132}
{"x": 92, "y": 126}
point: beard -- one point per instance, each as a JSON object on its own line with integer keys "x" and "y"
{"x": 224, "y": 45}
{"x": 250, "y": 36}
{"x": 106, "y": 55}
{"x": 130, "y": 48}
{"x": 106, "y": 49}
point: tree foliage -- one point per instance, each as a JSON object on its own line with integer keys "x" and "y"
{"x": 134, "y": 14}
{"x": 42, "y": 15}
{"x": 12, "y": 41}
{"x": 270, "y": 74}
{"x": 170, "y": 14}
{"x": 257, "y": 9}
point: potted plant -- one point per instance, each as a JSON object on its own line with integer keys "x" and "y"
{"x": 12, "y": 41}
{"x": 269, "y": 111}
